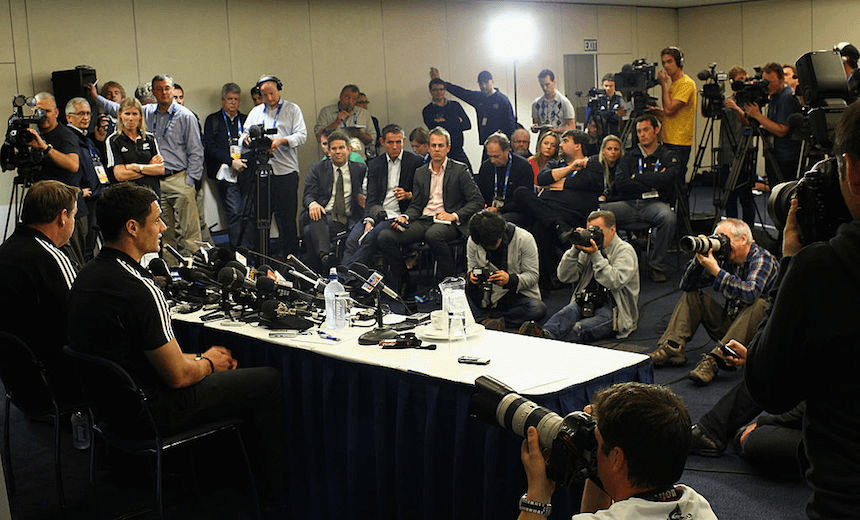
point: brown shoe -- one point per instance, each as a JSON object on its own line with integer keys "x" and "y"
{"x": 531, "y": 328}
{"x": 668, "y": 356}
{"x": 705, "y": 371}
{"x": 494, "y": 324}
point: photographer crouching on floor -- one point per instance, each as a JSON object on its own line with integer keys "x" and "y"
{"x": 502, "y": 261}
{"x": 606, "y": 271}
{"x": 642, "y": 435}
{"x": 743, "y": 272}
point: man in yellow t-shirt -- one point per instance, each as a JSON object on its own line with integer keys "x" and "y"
{"x": 678, "y": 114}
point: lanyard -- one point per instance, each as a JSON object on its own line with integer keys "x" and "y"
{"x": 169, "y": 119}
{"x": 275, "y": 122}
{"x": 354, "y": 117}
{"x": 507, "y": 174}
{"x": 227, "y": 124}
{"x": 656, "y": 166}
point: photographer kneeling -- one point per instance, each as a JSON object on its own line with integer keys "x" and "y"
{"x": 502, "y": 260}
{"x": 642, "y": 434}
{"x": 605, "y": 298}
{"x": 743, "y": 272}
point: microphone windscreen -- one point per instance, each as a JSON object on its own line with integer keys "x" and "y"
{"x": 230, "y": 277}
{"x": 220, "y": 257}
{"x": 158, "y": 267}
{"x": 264, "y": 269}
{"x": 265, "y": 285}
{"x": 238, "y": 266}
{"x": 269, "y": 309}
{"x": 361, "y": 269}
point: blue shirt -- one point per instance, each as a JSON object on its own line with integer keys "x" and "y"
{"x": 783, "y": 104}
{"x": 494, "y": 112}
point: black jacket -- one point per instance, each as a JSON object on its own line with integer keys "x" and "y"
{"x": 320, "y": 182}
{"x": 460, "y": 194}
{"x": 216, "y": 144}
{"x": 377, "y": 180}
{"x": 637, "y": 174}
{"x": 521, "y": 175}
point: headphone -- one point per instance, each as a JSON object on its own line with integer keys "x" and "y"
{"x": 264, "y": 79}
{"x": 847, "y": 56}
{"x": 677, "y": 54}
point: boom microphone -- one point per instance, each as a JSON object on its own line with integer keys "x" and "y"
{"x": 195, "y": 274}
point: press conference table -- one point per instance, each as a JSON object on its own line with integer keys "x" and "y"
{"x": 387, "y": 433}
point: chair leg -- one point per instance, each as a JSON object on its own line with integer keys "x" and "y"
{"x": 158, "y": 482}
{"x": 251, "y": 479}
{"x": 58, "y": 462}
{"x": 7, "y": 453}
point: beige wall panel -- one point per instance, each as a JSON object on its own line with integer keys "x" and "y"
{"x": 703, "y": 37}
{"x": 196, "y": 53}
{"x": 655, "y": 29}
{"x": 57, "y": 43}
{"x": 7, "y": 54}
{"x": 578, "y": 22}
{"x": 834, "y": 21}
{"x": 615, "y": 29}
{"x": 612, "y": 63}
{"x": 782, "y": 41}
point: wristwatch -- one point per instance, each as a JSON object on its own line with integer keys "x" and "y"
{"x": 531, "y": 506}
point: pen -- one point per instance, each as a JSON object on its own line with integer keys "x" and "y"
{"x": 323, "y": 335}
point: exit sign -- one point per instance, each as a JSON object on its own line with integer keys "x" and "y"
{"x": 590, "y": 45}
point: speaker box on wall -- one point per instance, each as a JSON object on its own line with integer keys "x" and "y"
{"x": 70, "y": 83}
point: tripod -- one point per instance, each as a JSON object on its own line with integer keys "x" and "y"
{"x": 706, "y": 140}
{"x": 746, "y": 159}
{"x": 263, "y": 178}
{"x": 20, "y": 184}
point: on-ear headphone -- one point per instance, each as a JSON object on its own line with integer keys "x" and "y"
{"x": 264, "y": 79}
{"x": 678, "y": 55}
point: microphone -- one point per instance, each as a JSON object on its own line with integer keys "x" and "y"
{"x": 374, "y": 279}
{"x": 318, "y": 285}
{"x": 173, "y": 252}
{"x": 236, "y": 265}
{"x": 195, "y": 274}
{"x": 158, "y": 267}
{"x": 232, "y": 279}
{"x": 292, "y": 259}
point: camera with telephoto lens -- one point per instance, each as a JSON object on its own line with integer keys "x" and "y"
{"x": 820, "y": 206}
{"x": 570, "y": 439}
{"x": 719, "y": 243}
{"x": 583, "y": 237}
{"x": 16, "y": 152}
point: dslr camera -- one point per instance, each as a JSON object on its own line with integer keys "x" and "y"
{"x": 483, "y": 275}
{"x": 570, "y": 439}
{"x": 16, "y": 152}
{"x": 719, "y": 243}
{"x": 583, "y": 237}
{"x": 820, "y": 209}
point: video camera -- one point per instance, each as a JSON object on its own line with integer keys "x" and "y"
{"x": 16, "y": 152}
{"x": 826, "y": 95}
{"x": 820, "y": 209}
{"x": 713, "y": 91}
{"x": 719, "y": 243}
{"x": 753, "y": 90}
{"x": 634, "y": 80}
{"x": 259, "y": 141}
{"x": 570, "y": 439}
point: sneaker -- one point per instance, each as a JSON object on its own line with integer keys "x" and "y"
{"x": 705, "y": 445}
{"x": 656, "y": 276}
{"x": 494, "y": 323}
{"x": 667, "y": 355}
{"x": 531, "y": 328}
{"x": 705, "y": 371}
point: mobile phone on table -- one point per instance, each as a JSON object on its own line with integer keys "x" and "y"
{"x": 473, "y": 360}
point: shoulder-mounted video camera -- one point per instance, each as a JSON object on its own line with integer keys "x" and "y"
{"x": 16, "y": 152}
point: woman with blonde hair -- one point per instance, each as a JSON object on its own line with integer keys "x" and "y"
{"x": 132, "y": 152}
{"x": 610, "y": 153}
{"x": 547, "y": 150}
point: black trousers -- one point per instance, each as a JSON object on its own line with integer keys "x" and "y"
{"x": 435, "y": 235}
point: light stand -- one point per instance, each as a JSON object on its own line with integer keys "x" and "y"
{"x": 516, "y": 108}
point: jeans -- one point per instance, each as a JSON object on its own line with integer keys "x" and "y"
{"x": 515, "y": 308}
{"x": 654, "y": 212}
{"x": 362, "y": 253}
{"x": 569, "y": 325}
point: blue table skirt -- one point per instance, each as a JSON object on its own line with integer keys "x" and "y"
{"x": 370, "y": 442}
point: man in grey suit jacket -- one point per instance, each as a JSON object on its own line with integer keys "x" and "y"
{"x": 444, "y": 198}
{"x": 332, "y": 201}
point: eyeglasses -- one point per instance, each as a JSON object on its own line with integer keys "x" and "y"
{"x": 79, "y": 114}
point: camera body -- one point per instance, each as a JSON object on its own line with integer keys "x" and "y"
{"x": 753, "y": 90}
{"x": 16, "y": 152}
{"x": 483, "y": 275}
{"x": 634, "y": 80}
{"x": 570, "y": 439}
{"x": 585, "y": 236}
{"x": 820, "y": 209}
{"x": 259, "y": 141}
{"x": 718, "y": 243}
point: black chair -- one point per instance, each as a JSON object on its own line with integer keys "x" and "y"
{"x": 27, "y": 385}
{"x": 122, "y": 417}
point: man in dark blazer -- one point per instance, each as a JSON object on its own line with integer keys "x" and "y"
{"x": 501, "y": 174}
{"x": 333, "y": 202}
{"x": 221, "y": 151}
{"x": 389, "y": 191}
{"x": 444, "y": 198}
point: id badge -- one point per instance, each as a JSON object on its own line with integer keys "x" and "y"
{"x": 101, "y": 173}
{"x": 235, "y": 150}
{"x": 498, "y": 203}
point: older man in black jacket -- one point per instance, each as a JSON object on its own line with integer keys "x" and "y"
{"x": 444, "y": 198}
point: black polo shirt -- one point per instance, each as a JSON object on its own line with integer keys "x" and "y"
{"x": 117, "y": 311}
{"x": 35, "y": 277}
{"x": 63, "y": 140}
{"x": 122, "y": 150}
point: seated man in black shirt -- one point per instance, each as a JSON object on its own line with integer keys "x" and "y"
{"x": 501, "y": 174}
{"x": 117, "y": 311}
{"x": 645, "y": 183}
{"x": 38, "y": 275}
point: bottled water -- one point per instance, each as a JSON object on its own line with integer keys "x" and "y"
{"x": 335, "y": 311}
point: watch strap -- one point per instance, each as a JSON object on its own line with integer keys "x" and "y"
{"x": 533, "y": 506}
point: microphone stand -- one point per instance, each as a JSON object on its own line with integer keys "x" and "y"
{"x": 380, "y": 332}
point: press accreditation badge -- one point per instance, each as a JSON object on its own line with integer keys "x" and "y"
{"x": 498, "y": 203}
{"x": 101, "y": 173}
{"x": 235, "y": 149}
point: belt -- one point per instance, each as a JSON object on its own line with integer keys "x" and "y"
{"x": 169, "y": 172}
